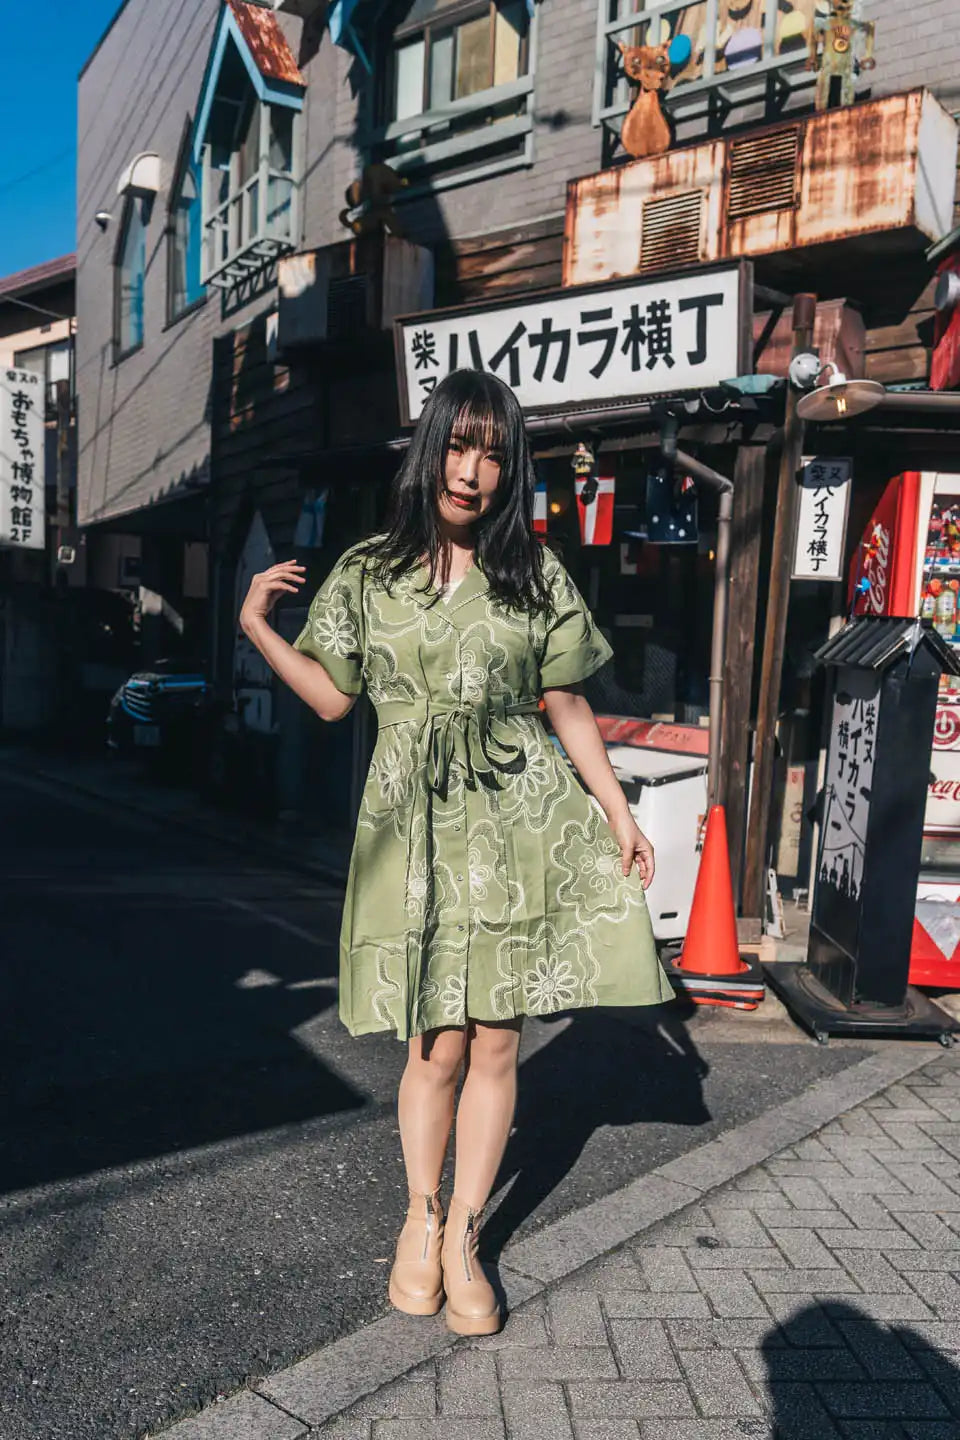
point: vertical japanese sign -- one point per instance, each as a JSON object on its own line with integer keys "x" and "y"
{"x": 22, "y": 404}
{"x": 846, "y": 810}
{"x": 598, "y": 343}
{"x": 822, "y": 521}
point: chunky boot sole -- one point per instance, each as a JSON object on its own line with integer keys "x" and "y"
{"x": 415, "y": 1304}
{"x": 472, "y": 1324}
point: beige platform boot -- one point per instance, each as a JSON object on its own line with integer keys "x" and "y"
{"x": 472, "y": 1307}
{"x": 416, "y": 1280}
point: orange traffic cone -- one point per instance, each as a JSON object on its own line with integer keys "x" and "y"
{"x": 710, "y": 969}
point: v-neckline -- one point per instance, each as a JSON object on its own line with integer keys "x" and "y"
{"x": 471, "y": 584}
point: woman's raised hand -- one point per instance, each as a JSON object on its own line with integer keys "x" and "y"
{"x": 265, "y": 590}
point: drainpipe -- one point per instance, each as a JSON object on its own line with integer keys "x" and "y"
{"x": 718, "y": 482}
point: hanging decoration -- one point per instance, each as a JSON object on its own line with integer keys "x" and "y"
{"x": 595, "y": 497}
{"x": 308, "y": 534}
{"x": 671, "y": 508}
{"x": 833, "y": 52}
{"x": 540, "y": 510}
{"x": 645, "y": 130}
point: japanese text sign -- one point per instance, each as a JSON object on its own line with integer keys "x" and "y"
{"x": 822, "y": 520}
{"x": 593, "y": 343}
{"x": 22, "y": 405}
{"x": 846, "y": 811}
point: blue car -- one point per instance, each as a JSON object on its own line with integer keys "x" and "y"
{"x": 165, "y": 713}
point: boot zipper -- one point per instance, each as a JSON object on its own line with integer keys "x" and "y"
{"x": 426, "y": 1231}
{"x": 468, "y": 1231}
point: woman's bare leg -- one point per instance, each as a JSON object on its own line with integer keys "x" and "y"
{"x": 425, "y": 1105}
{"x": 485, "y": 1112}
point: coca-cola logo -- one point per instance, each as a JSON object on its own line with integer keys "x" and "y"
{"x": 948, "y": 790}
{"x": 875, "y": 569}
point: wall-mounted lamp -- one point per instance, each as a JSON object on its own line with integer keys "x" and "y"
{"x": 840, "y": 398}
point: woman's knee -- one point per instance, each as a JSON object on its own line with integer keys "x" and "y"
{"x": 438, "y": 1055}
{"x": 493, "y": 1048}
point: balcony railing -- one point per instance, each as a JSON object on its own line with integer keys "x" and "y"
{"x": 441, "y": 145}
{"x": 707, "y": 86}
{"x": 256, "y": 222}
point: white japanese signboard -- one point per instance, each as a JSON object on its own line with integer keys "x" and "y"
{"x": 629, "y": 339}
{"x": 822, "y": 521}
{"x": 22, "y": 406}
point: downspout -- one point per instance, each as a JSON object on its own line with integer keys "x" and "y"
{"x": 718, "y": 482}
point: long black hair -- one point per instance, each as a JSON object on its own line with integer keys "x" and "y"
{"x": 484, "y": 414}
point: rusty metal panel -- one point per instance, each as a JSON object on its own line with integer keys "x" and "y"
{"x": 268, "y": 46}
{"x": 604, "y": 232}
{"x": 885, "y": 166}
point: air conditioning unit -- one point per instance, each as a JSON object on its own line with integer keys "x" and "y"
{"x": 841, "y": 190}
{"x": 343, "y": 292}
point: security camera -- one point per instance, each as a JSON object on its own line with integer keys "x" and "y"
{"x": 103, "y": 218}
{"x": 804, "y": 370}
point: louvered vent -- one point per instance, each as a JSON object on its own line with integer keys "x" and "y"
{"x": 346, "y": 307}
{"x": 763, "y": 174}
{"x": 671, "y": 231}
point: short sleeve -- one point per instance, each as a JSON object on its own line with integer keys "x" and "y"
{"x": 574, "y": 648}
{"x": 334, "y": 631}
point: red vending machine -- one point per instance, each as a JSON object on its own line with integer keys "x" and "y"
{"x": 908, "y": 562}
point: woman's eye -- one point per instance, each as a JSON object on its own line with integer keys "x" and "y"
{"x": 494, "y": 459}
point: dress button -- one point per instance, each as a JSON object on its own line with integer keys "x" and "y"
{"x": 459, "y": 877}
{"x": 456, "y": 827}
{"x": 459, "y": 927}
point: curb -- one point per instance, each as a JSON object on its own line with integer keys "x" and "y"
{"x": 320, "y": 1387}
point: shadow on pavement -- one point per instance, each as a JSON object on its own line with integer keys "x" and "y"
{"x": 631, "y": 1066}
{"x": 135, "y": 1026}
{"x": 829, "y": 1369}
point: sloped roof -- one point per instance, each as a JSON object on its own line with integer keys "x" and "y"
{"x": 267, "y": 42}
{"x": 875, "y": 642}
{"x": 38, "y": 277}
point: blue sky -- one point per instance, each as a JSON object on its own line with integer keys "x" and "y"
{"x": 38, "y": 123}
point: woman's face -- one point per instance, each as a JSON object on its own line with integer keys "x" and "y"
{"x": 471, "y": 477}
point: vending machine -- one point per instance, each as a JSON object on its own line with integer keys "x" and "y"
{"x": 908, "y": 563}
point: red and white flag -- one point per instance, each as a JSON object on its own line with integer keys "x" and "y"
{"x": 596, "y": 518}
{"x": 540, "y": 509}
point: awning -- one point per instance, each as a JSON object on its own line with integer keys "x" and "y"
{"x": 256, "y": 36}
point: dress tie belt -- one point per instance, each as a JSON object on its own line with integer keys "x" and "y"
{"x": 476, "y": 736}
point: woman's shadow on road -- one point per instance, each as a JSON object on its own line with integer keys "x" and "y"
{"x": 601, "y": 1068}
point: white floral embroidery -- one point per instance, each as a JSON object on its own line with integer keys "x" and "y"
{"x": 550, "y": 985}
{"x": 335, "y": 628}
{"x": 453, "y": 999}
{"x": 593, "y": 883}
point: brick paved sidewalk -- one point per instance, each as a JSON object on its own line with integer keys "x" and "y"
{"x": 816, "y": 1295}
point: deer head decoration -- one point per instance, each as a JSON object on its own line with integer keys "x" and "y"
{"x": 645, "y": 130}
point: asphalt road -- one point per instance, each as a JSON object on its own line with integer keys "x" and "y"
{"x": 200, "y": 1176}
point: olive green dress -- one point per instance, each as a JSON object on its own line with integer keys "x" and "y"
{"x": 485, "y": 880}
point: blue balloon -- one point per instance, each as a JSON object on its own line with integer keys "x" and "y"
{"x": 680, "y": 51}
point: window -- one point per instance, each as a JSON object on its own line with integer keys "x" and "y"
{"x": 184, "y": 289}
{"x": 464, "y": 67}
{"x": 448, "y": 58}
{"x": 54, "y": 362}
{"x": 131, "y": 265}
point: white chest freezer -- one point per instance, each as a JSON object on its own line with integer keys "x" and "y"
{"x": 667, "y": 795}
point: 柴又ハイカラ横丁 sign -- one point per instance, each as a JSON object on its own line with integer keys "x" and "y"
{"x": 822, "y": 519}
{"x": 22, "y": 404}
{"x": 591, "y": 344}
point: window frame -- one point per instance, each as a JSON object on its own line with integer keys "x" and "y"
{"x": 21, "y": 361}
{"x": 133, "y": 201}
{"x": 381, "y": 137}
{"x": 184, "y": 165}
{"x": 250, "y": 247}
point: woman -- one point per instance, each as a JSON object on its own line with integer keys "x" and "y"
{"x": 485, "y": 883}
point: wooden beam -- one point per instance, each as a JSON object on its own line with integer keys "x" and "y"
{"x": 748, "y": 485}
{"x": 775, "y": 630}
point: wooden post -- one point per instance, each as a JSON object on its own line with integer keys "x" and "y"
{"x": 748, "y": 485}
{"x": 778, "y": 597}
